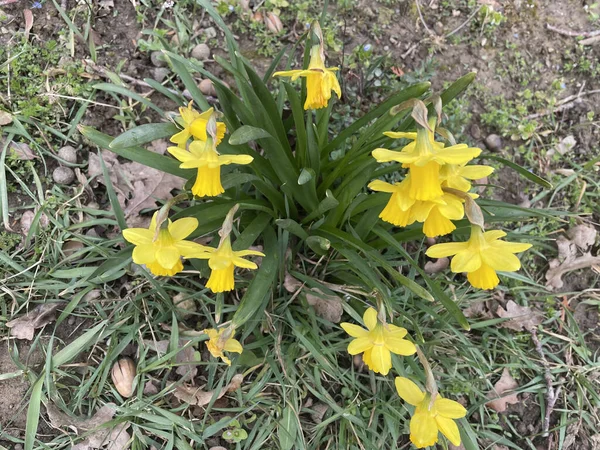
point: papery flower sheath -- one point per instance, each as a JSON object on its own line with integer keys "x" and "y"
{"x": 162, "y": 256}
{"x": 430, "y": 418}
{"x": 377, "y": 342}
{"x": 481, "y": 256}
{"x": 320, "y": 80}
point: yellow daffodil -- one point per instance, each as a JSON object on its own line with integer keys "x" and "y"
{"x": 163, "y": 255}
{"x": 320, "y": 80}
{"x": 222, "y": 341}
{"x": 457, "y": 176}
{"x": 203, "y": 156}
{"x": 377, "y": 342}
{"x": 424, "y": 157}
{"x": 222, "y": 262}
{"x": 194, "y": 124}
{"x": 436, "y": 215}
{"x": 430, "y": 418}
{"x": 481, "y": 256}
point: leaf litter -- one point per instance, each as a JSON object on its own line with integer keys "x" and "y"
{"x": 24, "y": 327}
{"x": 505, "y": 384}
{"x": 94, "y": 428}
{"x": 197, "y": 396}
{"x": 329, "y": 307}
{"x": 137, "y": 186}
{"x": 520, "y": 317}
{"x": 187, "y": 357}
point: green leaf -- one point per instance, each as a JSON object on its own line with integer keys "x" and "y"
{"x": 112, "y": 196}
{"x": 305, "y": 176}
{"x": 328, "y": 203}
{"x": 143, "y": 134}
{"x": 457, "y": 88}
{"x": 287, "y": 428}
{"x": 522, "y": 171}
{"x": 33, "y": 414}
{"x": 113, "y": 88}
{"x": 247, "y": 133}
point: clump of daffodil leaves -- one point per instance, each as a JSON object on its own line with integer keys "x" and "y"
{"x": 298, "y": 186}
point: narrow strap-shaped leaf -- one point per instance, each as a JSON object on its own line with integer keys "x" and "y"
{"x": 188, "y": 81}
{"x": 298, "y": 114}
{"x": 247, "y": 133}
{"x": 113, "y": 88}
{"x": 522, "y": 171}
{"x": 275, "y": 63}
{"x": 112, "y": 196}
{"x": 178, "y": 99}
{"x": 252, "y": 231}
{"x": 143, "y": 134}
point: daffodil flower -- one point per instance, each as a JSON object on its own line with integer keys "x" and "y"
{"x": 222, "y": 262}
{"x": 203, "y": 156}
{"x": 459, "y": 176}
{"x": 424, "y": 157}
{"x": 194, "y": 125}
{"x": 377, "y": 342}
{"x": 430, "y": 418}
{"x": 320, "y": 80}
{"x": 481, "y": 256}
{"x": 162, "y": 256}
{"x": 222, "y": 341}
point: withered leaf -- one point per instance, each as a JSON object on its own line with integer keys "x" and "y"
{"x": 521, "y": 317}
{"x": 97, "y": 435}
{"x": 197, "y": 396}
{"x": 505, "y": 383}
{"x": 329, "y": 307}
{"x": 22, "y": 151}
{"x": 186, "y": 357}
{"x": 25, "y": 326}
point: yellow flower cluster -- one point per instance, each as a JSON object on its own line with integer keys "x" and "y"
{"x": 376, "y": 344}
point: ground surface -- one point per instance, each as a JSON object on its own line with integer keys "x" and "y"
{"x": 536, "y": 91}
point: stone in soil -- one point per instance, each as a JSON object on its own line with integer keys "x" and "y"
{"x": 201, "y": 52}
{"x": 63, "y": 175}
{"x": 493, "y": 142}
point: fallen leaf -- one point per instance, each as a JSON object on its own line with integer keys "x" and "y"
{"x": 521, "y": 317}
{"x": 28, "y": 15}
{"x": 505, "y": 383}
{"x": 22, "y": 151}
{"x": 24, "y": 326}
{"x": 187, "y": 358}
{"x": 583, "y": 236}
{"x": 150, "y": 388}
{"x": 106, "y": 4}
{"x": 97, "y": 435}
{"x": 328, "y": 307}
{"x": 137, "y": 186}
{"x": 566, "y": 145}
{"x": 478, "y": 309}
{"x": 5, "y": 118}
{"x": 197, "y": 396}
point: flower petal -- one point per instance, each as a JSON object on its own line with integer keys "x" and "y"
{"x": 401, "y": 135}
{"x": 359, "y": 345}
{"x": 381, "y": 360}
{"x": 289, "y": 73}
{"x": 493, "y": 235}
{"x": 189, "y": 249}
{"x": 143, "y": 254}
{"x": 221, "y": 280}
{"x": 395, "y": 331}
{"x": 381, "y": 186}
{"x": 354, "y": 330}
{"x": 138, "y": 236}
{"x": 449, "y": 408}
{"x": 483, "y": 278}
{"x": 235, "y": 159}
{"x": 444, "y": 250}
{"x": 244, "y": 263}
{"x": 181, "y": 154}
{"x": 501, "y": 260}
{"x": 513, "y": 247}
{"x": 167, "y": 256}
{"x": 466, "y": 261}
{"x": 370, "y": 318}
{"x": 457, "y": 154}
{"x": 474, "y": 172}
{"x": 182, "y": 228}
{"x": 385, "y": 155}
{"x": 449, "y": 429}
{"x": 233, "y": 345}
{"x": 423, "y": 430}
{"x": 248, "y": 253}
{"x": 400, "y": 346}
{"x": 409, "y": 391}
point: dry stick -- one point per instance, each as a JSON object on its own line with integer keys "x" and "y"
{"x": 551, "y": 394}
{"x": 456, "y": 30}
{"x": 566, "y": 103}
{"x": 431, "y": 33}
{"x": 573, "y": 33}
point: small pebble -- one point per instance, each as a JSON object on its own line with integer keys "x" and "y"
{"x": 158, "y": 59}
{"x": 160, "y": 73}
{"x": 201, "y": 52}
{"x": 63, "y": 175}
{"x": 207, "y": 88}
{"x": 475, "y": 131}
{"x": 493, "y": 142}
{"x": 68, "y": 154}
{"x": 210, "y": 32}
{"x": 26, "y": 221}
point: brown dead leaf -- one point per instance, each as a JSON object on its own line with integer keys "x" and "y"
{"x": 478, "y": 309}
{"x": 24, "y": 326}
{"x": 521, "y": 317}
{"x": 28, "y": 15}
{"x": 97, "y": 436}
{"x": 5, "y": 118}
{"x": 22, "y": 151}
{"x": 329, "y": 307}
{"x": 106, "y": 4}
{"x": 582, "y": 237}
{"x": 136, "y": 185}
{"x": 505, "y": 383}
{"x": 186, "y": 358}
{"x": 196, "y": 396}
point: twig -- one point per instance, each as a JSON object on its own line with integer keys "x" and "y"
{"x": 456, "y": 30}
{"x": 564, "y": 104}
{"x": 423, "y": 20}
{"x": 590, "y": 41}
{"x": 551, "y": 394}
{"x": 573, "y": 33}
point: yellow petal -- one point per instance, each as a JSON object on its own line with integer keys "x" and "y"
{"x": 423, "y": 430}
{"x": 198, "y": 148}
{"x": 381, "y": 360}
{"x": 401, "y": 135}
{"x": 466, "y": 261}
{"x": 232, "y": 345}
{"x": 288, "y": 73}
{"x": 449, "y": 429}
{"x": 221, "y": 280}
{"x": 474, "y": 172}
{"x": 493, "y": 235}
{"x": 425, "y": 181}
{"x": 189, "y": 249}
{"x": 208, "y": 182}
{"x": 182, "y": 228}
{"x": 392, "y": 213}
{"x": 370, "y": 318}
{"x": 483, "y": 278}
{"x": 381, "y": 186}
{"x": 359, "y": 345}
{"x": 400, "y": 346}
{"x": 248, "y": 253}
{"x": 157, "y": 269}
{"x": 457, "y": 154}
{"x": 447, "y": 249}
{"x": 354, "y": 330}
{"x": 181, "y": 154}
{"x": 385, "y": 155}
{"x": 138, "y": 236}
{"x": 235, "y": 159}
{"x": 437, "y": 225}
{"x": 409, "y": 391}
{"x": 501, "y": 260}
{"x": 167, "y": 257}
{"x": 395, "y": 331}
{"x": 512, "y": 247}
{"x": 143, "y": 254}
{"x": 219, "y": 261}
{"x": 181, "y": 137}
{"x": 244, "y": 263}
{"x": 449, "y": 408}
